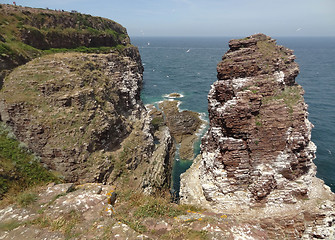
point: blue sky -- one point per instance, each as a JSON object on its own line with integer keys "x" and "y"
{"x": 207, "y": 17}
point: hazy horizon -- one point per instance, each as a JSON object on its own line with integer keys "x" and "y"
{"x": 210, "y": 18}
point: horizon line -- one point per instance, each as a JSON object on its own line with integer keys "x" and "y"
{"x": 228, "y": 36}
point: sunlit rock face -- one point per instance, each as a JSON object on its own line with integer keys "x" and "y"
{"x": 257, "y": 152}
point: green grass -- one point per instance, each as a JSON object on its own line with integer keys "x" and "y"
{"x": 13, "y": 23}
{"x": 186, "y": 234}
{"x": 155, "y": 207}
{"x": 84, "y": 49}
{"x": 291, "y": 96}
{"x": 9, "y": 225}
{"x": 65, "y": 223}
{"x": 135, "y": 207}
{"x": 269, "y": 50}
{"x": 26, "y": 198}
{"x": 20, "y": 169}
{"x": 157, "y": 122}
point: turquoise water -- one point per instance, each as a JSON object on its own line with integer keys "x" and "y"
{"x": 188, "y": 66}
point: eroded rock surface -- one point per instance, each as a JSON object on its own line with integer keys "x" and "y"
{"x": 183, "y": 125}
{"x": 257, "y": 155}
{"x": 82, "y": 114}
{"x": 66, "y": 212}
{"x": 72, "y": 108}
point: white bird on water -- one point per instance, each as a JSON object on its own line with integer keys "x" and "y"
{"x": 188, "y": 50}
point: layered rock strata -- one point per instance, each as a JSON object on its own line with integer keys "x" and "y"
{"x": 67, "y": 106}
{"x": 82, "y": 114}
{"x": 26, "y": 32}
{"x": 257, "y": 155}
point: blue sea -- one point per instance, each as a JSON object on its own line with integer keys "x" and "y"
{"x": 187, "y": 65}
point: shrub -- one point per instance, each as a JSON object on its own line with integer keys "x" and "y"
{"x": 25, "y": 199}
{"x": 157, "y": 122}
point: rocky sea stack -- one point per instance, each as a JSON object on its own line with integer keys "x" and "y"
{"x": 257, "y": 155}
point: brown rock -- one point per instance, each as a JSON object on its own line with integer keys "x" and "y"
{"x": 74, "y": 110}
{"x": 257, "y": 155}
{"x": 183, "y": 126}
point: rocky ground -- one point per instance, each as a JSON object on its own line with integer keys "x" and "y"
{"x": 68, "y": 211}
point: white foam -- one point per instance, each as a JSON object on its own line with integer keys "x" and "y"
{"x": 203, "y": 126}
{"x": 173, "y": 97}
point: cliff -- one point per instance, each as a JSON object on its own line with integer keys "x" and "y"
{"x": 71, "y": 112}
{"x": 27, "y": 33}
{"x": 75, "y": 99}
{"x": 257, "y": 156}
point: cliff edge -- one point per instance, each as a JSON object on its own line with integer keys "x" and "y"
{"x": 27, "y": 33}
{"x": 71, "y": 94}
{"x": 257, "y": 155}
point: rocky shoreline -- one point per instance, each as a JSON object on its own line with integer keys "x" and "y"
{"x": 78, "y": 116}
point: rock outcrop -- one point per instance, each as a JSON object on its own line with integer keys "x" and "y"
{"x": 66, "y": 107}
{"x": 257, "y": 155}
{"x": 184, "y": 126}
{"x": 80, "y": 112}
{"x": 26, "y": 32}
{"x": 66, "y": 212}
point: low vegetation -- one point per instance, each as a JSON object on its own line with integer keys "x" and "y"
{"x": 135, "y": 208}
{"x": 19, "y": 169}
{"x": 291, "y": 96}
{"x": 27, "y": 33}
{"x": 268, "y": 51}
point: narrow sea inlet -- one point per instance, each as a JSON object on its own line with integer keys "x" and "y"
{"x": 188, "y": 66}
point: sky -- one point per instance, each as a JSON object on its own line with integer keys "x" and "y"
{"x": 207, "y": 17}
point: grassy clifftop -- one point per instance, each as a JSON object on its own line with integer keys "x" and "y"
{"x": 26, "y": 33}
{"x": 29, "y": 33}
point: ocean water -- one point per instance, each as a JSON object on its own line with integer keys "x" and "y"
{"x": 188, "y": 66}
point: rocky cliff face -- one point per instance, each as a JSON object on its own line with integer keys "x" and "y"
{"x": 26, "y": 32}
{"x": 257, "y": 153}
{"x": 66, "y": 107}
{"x": 81, "y": 112}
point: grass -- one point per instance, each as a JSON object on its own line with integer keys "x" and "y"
{"x": 26, "y": 198}
{"x": 186, "y": 234}
{"x": 258, "y": 121}
{"x": 65, "y": 223}
{"x": 40, "y": 26}
{"x": 291, "y": 96}
{"x": 268, "y": 52}
{"x": 84, "y": 49}
{"x": 9, "y": 225}
{"x": 157, "y": 122}
{"x": 135, "y": 207}
{"x": 155, "y": 208}
{"x": 20, "y": 168}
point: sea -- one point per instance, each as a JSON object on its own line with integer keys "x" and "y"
{"x": 187, "y": 65}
